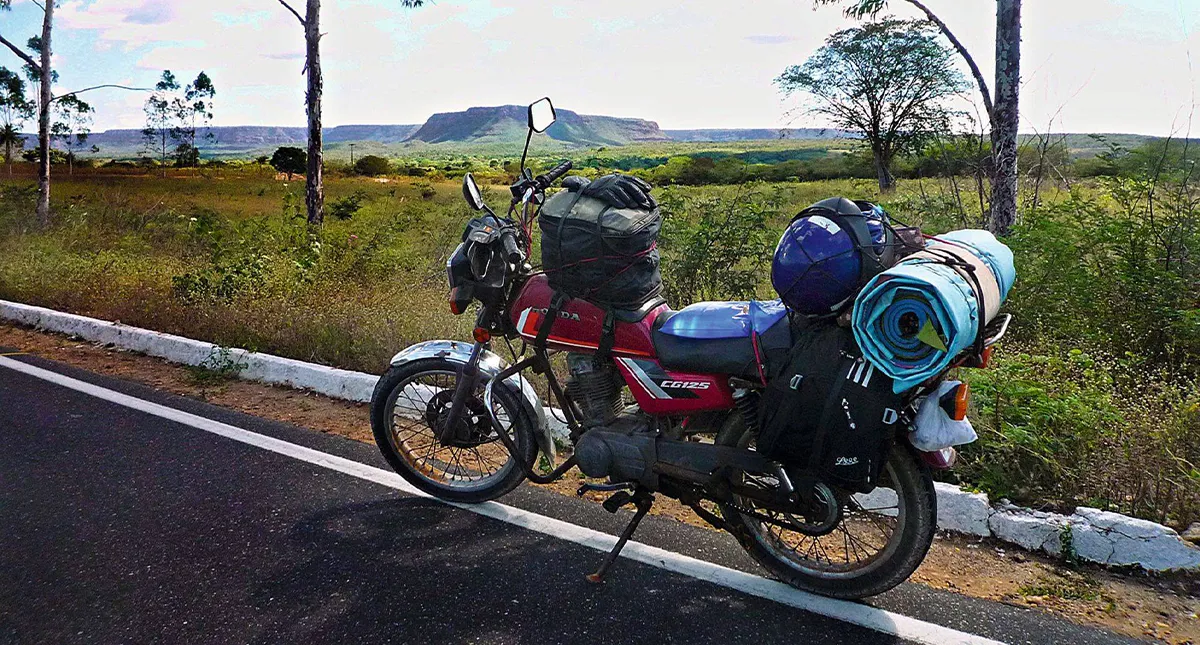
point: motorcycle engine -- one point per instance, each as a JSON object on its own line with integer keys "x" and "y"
{"x": 595, "y": 388}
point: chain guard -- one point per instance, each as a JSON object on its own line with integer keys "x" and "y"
{"x": 824, "y": 514}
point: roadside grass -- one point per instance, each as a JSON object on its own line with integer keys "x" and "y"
{"x": 1092, "y": 401}
{"x": 1067, "y": 585}
{"x": 218, "y": 369}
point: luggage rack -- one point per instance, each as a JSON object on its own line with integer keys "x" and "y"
{"x": 997, "y": 329}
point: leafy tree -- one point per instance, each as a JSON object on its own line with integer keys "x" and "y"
{"x": 174, "y": 116}
{"x": 314, "y": 189}
{"x": 57, "y": 157}
{"x": 10, "y": 139}
{"x": 289, "y": 160}
{"x": 887, "y": 79}
{"x": 192, "y": 109}
{"x": 45, "y": 75}
{"x": 14, "y": 110}
{"x": 372, "y": 166}
{"x": 40, "y": 71}
{"x": 1003, "y": 111}
{"x": 160, "y": 118}
{"x": 73, "y": 126}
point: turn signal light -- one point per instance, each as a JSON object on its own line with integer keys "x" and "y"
{"x": 458, "y": 305}
{"x": 481, "y": 335}
{"x": 962, "y": 401}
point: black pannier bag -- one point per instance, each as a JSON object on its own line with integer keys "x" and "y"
{"x": 599, "y": 253}
{"x": 829, "y": 412}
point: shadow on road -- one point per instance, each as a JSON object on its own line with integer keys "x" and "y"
{"x": 413, "y": 570}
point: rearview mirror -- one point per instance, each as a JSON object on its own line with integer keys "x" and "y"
{"x": 471, "y": 192}
{"x": 541, "y": 115}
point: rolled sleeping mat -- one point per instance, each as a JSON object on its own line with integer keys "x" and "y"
{"x": 913, "y": 319}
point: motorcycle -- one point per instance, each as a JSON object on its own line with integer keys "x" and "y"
{"x": 463, "y": 424}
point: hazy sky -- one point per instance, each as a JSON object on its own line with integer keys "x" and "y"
{"x": 1091, "y": 65}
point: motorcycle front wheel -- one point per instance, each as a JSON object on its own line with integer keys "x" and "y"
{"x": 880, "y": 538}
{"x": 408, "y": 409}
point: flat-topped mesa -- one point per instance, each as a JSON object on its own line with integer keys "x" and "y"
{"x": 508, "y": 122}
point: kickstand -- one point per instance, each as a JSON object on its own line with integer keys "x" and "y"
{"x": 642, "y": 500}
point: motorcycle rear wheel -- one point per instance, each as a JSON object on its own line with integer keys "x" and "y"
{"x": 406, "y": 407}
{"x": 878, "y": 543}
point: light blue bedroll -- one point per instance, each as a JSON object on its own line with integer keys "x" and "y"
{"x": 913, "y": 319}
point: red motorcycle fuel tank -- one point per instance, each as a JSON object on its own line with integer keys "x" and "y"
{"x": 657, "y": 390}
{"x": 579, "y": 323}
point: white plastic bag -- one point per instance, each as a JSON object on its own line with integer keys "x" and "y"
{"x": 935, "y": 429}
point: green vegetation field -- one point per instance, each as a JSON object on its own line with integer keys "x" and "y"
{"x": 1093, "y": 401}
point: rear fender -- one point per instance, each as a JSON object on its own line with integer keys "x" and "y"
{"x": 490, "y": 365}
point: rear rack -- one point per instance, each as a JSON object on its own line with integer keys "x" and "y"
{"x": 996, "y": 329}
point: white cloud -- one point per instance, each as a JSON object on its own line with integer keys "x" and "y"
{"x": 1097, "y": 64}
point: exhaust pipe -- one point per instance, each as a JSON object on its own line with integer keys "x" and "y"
{"x": 643, "y": 457}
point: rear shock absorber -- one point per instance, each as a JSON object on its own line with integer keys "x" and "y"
{"x": 746, "y": 402}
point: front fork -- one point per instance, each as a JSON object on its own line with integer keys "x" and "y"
{"x": 468, "y": 379}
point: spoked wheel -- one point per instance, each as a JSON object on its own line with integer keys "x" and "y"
{"x": 864, "y": 546}
{"x": 408, "y": 413}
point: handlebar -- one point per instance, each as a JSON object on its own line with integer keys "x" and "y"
{"x": 544, "y": 181}
{"x": 512, "y": 251}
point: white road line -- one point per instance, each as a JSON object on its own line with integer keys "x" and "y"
{"x": 872, "y": 618}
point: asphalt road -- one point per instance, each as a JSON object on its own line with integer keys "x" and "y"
{"x": 119, "y": 526}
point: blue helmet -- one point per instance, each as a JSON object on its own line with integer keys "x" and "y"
{"x": 830, "y": 250}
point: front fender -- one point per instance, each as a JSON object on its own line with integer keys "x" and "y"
{"x": 490, "y": 364}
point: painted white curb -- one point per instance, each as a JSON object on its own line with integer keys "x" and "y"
{"x": 342, "y": 384}
{"x": 1095, "y": 535}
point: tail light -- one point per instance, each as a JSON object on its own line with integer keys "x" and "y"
{"x": 985, "y": 358}
{"x": 481, "y": 335}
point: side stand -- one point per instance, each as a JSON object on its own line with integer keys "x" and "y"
{"x": 642, "y": 500}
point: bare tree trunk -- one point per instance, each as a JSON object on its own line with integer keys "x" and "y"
{"x": 883, "y": 172}
{"x": 43, "y": 206}
{"x": 314, "y": 188}
{"x": 1006, "y": 116}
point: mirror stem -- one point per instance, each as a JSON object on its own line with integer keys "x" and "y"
{"x": 525, "y": 152}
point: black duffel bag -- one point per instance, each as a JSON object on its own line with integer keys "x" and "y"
{"x": 829, "y": 412}
{"x": 599, "y": 253}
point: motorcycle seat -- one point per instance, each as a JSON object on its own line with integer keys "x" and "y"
{"x": 718, "y": 337}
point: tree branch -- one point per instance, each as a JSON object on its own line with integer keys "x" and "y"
{"x": 22, "y": 55}
{"x": 97, "y": 87}
{"x": 294, "y": 13}
{"x": 962, "y": 51}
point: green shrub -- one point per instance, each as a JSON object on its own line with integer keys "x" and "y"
{"x": 425, "y": 189}
{"x": 716, "y": 247}
{"x": 221, "y": 282}
{"x": 372, "y": 166}
{"x": 346, "y": 207}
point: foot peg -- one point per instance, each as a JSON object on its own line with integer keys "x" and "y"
{"x": 640, "y": 499}
{"x": 617, "y": 500}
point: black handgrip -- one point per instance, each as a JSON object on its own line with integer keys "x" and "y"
{"x": 555, "y": 173}
{"x": 512, "y": 252}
